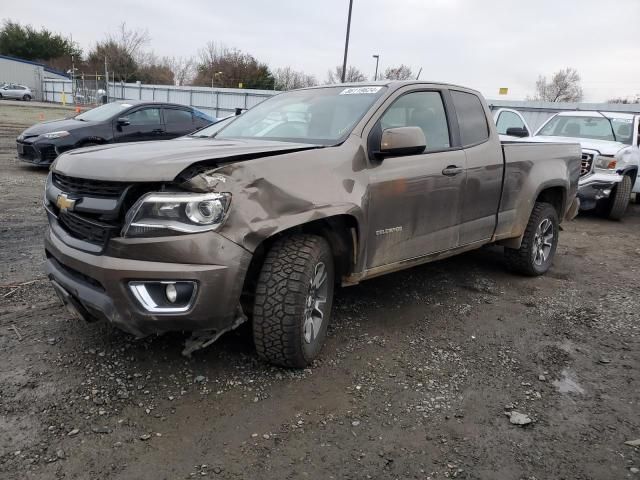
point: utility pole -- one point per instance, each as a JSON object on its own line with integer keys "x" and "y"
{"x": 106, "y": 78}
{"x": 377, "y": 57}
{"x": 346, "y": 43}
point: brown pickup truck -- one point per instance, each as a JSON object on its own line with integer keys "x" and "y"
{"x": 311, "y": 189}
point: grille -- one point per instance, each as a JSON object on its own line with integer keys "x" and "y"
{"x": 74, "y": 273}
{"x": 83, "y": 229}
{"x": 587, "y": 163}
{"x": 92, "y": 188}
{"x": 28, "y": 151}
{"x": 49, "y": 154}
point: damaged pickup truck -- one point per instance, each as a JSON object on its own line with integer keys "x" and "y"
{"x": 309, "y": 190}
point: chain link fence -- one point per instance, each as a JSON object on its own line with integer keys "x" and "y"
{"x": 88, "y": 90}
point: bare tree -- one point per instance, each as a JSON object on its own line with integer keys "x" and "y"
{"x": 288, "y": 79}
{"x": 222, "y": 66}
{"x": 183, "y": 68}
{"x": 625, "y": 100}
{"x": 402, "y": 72}
{"x": 353, "y": 75}
{"x": 563, "y": 87}
{"x": 130, "y": 41}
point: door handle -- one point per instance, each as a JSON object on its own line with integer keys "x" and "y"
{"x": 452, "y": 171}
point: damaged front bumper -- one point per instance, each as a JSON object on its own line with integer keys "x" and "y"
{"x": 596, "y": 186}
{"x": 101, "y": 287}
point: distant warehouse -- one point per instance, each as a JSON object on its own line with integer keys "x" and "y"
{"x": 28, "y": 73}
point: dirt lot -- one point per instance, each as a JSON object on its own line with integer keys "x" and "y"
{"x": 415, "y": 381}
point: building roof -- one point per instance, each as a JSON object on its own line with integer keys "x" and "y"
{"x": 37, "y": 64}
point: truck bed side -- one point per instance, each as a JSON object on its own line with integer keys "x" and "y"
{"x": 530, "y": 169}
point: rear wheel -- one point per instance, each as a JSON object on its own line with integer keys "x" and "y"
{"x": 619, "y": 199}
{"x": 294, "y": 295}
{"x": 26, "y": 97}
{"x": 539, "y": 243}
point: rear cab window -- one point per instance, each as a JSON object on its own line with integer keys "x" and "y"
{"x": 472, "y": 119}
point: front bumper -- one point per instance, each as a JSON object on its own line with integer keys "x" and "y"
{"x": 596, "y": 186}
{"x": 43, "y": 152}
{"x": 98, "y": 285}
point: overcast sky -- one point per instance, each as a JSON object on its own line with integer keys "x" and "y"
{"x": 483, "y": 44}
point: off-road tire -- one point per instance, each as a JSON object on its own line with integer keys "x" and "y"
{"x": 619, "y": 199}
{"x": 281, "y": 296}
{"x": 26, "y": 98}
{"x": 521, "y": 260}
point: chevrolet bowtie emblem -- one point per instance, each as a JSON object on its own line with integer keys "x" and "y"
{"x": 65, "y": 203}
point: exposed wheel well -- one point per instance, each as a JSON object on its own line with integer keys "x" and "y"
{"x": 633, "y": 173}
{"x": 554, "y": 196}
{"x": 341, "y": 231}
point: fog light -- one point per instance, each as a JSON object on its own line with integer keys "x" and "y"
{"x": 171, "y": 292}
{"x": 165, "y": 296}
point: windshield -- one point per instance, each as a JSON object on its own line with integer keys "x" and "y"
{"x": 320, "y": 116}
{"x": 596, "y": 128}
{"x": 211, "y": 130}
{"x": 103, "y": 112}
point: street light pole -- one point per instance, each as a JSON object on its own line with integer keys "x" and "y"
{"x": 346, "y": 43}
{"x": 377, "y": 57}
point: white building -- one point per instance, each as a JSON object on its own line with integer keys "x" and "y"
{"x": 28, "y": 73}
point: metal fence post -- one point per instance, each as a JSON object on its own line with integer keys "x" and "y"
{"x": 140, "y": 92}
{"x": 217, "y": 102}
{"x": 246, "y": 98}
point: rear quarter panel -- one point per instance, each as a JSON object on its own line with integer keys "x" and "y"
{"x": 531, "y": 168}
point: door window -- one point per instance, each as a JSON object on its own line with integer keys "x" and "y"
{"x": 508, "y": 120}
{"x": 471, "y": 118}
{"x": 145, "y": 116}
{"x": 174, "y": 115}
{"x": 424, "y": 110}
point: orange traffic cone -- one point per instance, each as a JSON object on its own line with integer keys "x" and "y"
{"x": 77, "y": 109}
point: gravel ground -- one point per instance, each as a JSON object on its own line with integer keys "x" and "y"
{"x": 422, "y": 376}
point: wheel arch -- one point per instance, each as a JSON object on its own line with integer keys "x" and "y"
{"x": 342, "y": 232}
{"x": 553, "y": 193}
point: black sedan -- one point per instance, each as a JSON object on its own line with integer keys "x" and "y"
{"x": 122, "y": 121}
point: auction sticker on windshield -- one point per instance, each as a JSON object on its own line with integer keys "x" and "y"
{"x": 359, "y": 90}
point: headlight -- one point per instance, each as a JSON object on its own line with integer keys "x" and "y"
{"x": 605, "y": 162}
{"x": 60, "y": 134}
{"x": 160, "y": 214}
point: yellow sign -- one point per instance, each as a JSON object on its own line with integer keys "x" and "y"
{"x": 240, "y": 85}
{"x": 503, "y": 91}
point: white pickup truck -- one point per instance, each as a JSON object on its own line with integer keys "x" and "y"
{"x": 610, "y": 153}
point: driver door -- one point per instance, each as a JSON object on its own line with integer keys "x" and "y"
{"x": 141, "y": 124}
{"x": 415, "y": 203}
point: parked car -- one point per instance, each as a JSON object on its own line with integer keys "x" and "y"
{"x": 14, "y": 91}
{"x": 116, "y": 122}
{"x": 610, "y": 156}
{"x": 261, "y": 224}
{"x": 510, "y": 124}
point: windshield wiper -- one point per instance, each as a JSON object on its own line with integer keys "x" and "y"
{"x": 613, "y": 132}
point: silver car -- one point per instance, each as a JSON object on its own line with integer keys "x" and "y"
{"x": 14, "y": 91}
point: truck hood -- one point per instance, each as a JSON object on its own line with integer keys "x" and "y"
{"x": 604, "y": 147}
{"x": 162, "y": 161}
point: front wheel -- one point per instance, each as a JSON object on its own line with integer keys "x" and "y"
{"x": 292, "y": 306}
{"x": 26, "y": 98}
{"x": 539, "y": 242}
{"x": 619, "y": 199}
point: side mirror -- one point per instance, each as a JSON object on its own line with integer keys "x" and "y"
{"x": 517, "y": 132}
{"x": 402, "y": 141}
{"x": 123, "y": 121}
